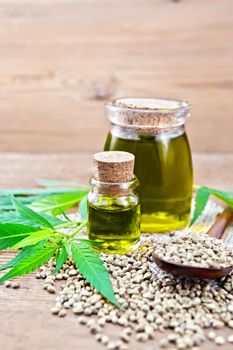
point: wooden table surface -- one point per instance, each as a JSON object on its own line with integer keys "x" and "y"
{"x": 25, "y": 319}
{"x": 62, "y": 59}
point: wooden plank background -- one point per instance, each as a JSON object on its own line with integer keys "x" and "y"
{"x": 60, "y": 60}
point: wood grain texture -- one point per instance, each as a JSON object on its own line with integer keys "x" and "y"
{"x": 61, "y": 59}
{"x": 21, "y": 170}
{"x": 26, "y": 322}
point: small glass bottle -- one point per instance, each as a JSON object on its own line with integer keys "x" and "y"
{"x": 154, "y": 131}
{"x": 113, "y": 205}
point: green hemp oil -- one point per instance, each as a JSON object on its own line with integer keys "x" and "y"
{"x": 113, "y": 205}
{"x": 163, "y": 164}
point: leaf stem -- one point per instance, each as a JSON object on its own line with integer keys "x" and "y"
{"x": 81, "y": 226}
{"x": 69, "y": 224}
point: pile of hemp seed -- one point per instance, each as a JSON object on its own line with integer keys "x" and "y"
{"x": 196, "y": 250}
{"x": 151, "y": 301}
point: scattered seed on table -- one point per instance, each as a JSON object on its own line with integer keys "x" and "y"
{"x": 211, "y": 335}
{"x": 142, "y": 337}
{"x": 105, "y": 339}
{"x": 51, "y": 289}
{"x": 163, "y": 343}
{"x": 101, "y": 321}
{"x": 98, "y": 337}
{"x": 62, "y": 313}
{"x": 187, "y": 307}
{"x": 82, "y": 320}
{"x": 230, "y": 338}
{"x": 112, "y": 345}
{"x": 8, "y": 284}
{"x": 94, "y": 329}
{"x": 124, "y": 337}
{"x": 15, "y": 285}
{"x": 55, "y": 310}
{"x": 219, "y": 340}
{"x": 78, "y": 309}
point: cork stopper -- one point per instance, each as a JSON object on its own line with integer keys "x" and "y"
{"x": 113, "y": 167}
{"x": 148, "y": 114}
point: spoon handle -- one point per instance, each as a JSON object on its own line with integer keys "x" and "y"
{"x": 221, "y": 223}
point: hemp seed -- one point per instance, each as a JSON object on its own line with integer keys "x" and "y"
{"x": 211, "y": 335}
{"x": 230, "y": 338}
{"x": 15, "y": 285}
{"x": 62, "y": 313}
{"x": 187, "y": 307}
{"x": 219, "y": 340}
{"x": 8, "y": 284}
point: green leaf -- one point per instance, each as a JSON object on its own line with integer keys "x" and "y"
{"x": 89, "y": 242}
{"x": 10, "y": 234}
{"x": 68, "y": 248}
{"x": 36, "y": 191}
{"x": 202, "y": 197}
{"x": 28, "y": 213}
{"x": 33, "y": 239}
{"x": 25, "y": 252}
{"x": 93, "y": 270}
{"x": 30, "y": 263}
{"x": 56, "y": 204}
{"x": 83, "y": 208}
{"x": 225, "y": 196}
{"x": 66, "y": 217}
{"x": 53, "y": 220}
{"x": 61, "y": 258}
{"x": 6, "y": 201}
{"x": 201, "y": 200}
{"x": 15, "y": 218}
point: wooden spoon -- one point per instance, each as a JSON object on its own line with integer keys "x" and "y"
{"x": 216, "y": 231}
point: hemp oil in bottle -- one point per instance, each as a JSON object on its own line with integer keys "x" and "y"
{"x": 113, "y": 205}
{"x": 154, "y": 131}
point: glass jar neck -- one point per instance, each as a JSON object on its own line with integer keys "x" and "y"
{"x": 113, "y": 189}
{"x": 127, "y": 133}
{"x": 149, "y": 116}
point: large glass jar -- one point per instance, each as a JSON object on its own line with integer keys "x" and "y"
{"x": 154, "y": 131}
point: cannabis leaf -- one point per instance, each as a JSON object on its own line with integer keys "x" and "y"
{"x": 28, "y": 213}
{"x": 15, "y": 218}
{"x": 33, "y": 238}
{"x": 25, "y": 252}
{"x": 30, "y": 263}
{"x": 11, "y": 234}
{"x": 30, "y": 228}
{"x": 6, "y": 201}
{"x": 36, "y": 191}
{"x": 224, "y": 196}
{"x": 92, "y": 268}
{"x": 202, "y": 196}
{"x": 89, "y": 242}
{"x": 201, "y": 200}
{"x": 56, "y": 204}
{"x": 61, "y": 258}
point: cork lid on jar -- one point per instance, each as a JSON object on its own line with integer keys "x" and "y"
{"x": 148, "y": 114}
{"x": 113, "y": 166}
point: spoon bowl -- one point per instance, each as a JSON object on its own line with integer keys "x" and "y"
{"x": 216, "y": 231}
{"x": 191, "y": 271}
